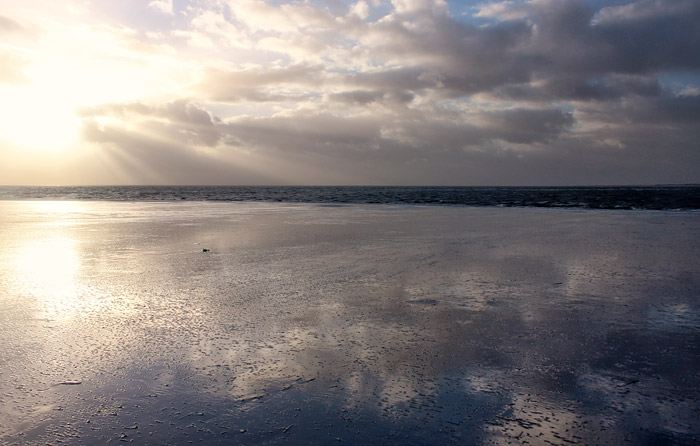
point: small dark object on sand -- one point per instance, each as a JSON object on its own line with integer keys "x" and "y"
{"x": 206, "y": 250}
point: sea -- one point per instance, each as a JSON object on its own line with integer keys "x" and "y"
{"x": 664, "y": 197}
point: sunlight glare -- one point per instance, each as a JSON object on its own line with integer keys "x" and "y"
{"x": 48, "y": 265}
{"x": 48, "y": 269}
{"x": 37, "y": 119}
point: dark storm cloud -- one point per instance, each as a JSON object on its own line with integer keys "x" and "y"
{"x": 412, "y": 136}
{"x": 552, "y": 39}
{"x": 574, "y": 88}
{"x": 400, "y": 79}
{"x": 365, "y": 97}
{"x": 360, "y": 97}
{"x": 438, "y": 52}
{"x": 678, "y": 113}
{"x": 582, "y": 52}
{"x": 652, "y": 35}
{"x": 320, "y": 133}
{"x": 529, "y": 126}
{"x": 576, "y": 39}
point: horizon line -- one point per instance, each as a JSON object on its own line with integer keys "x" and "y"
{"x": 353, "y": 185}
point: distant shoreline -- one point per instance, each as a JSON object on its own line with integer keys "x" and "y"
{"x": 666, "y": 197}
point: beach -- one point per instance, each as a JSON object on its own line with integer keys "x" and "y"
{"x": 262, "y": 323}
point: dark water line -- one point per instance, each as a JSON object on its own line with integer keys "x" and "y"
{"x": 685, "y": 197}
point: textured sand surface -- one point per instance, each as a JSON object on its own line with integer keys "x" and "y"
{"x": 314, "y": 324}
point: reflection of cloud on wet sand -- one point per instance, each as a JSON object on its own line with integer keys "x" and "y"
{"x": 526, "y": 415}
{"x": 674, "y": 317}
{"x": 624, "y": 398}
{"x": 604, "y": 409}
{"x": 381, "y": 325}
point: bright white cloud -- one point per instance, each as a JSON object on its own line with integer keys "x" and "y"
{"x": 164, "y": 6}
{"x": 413, "y": 6}
{"x": 360, "y": 9}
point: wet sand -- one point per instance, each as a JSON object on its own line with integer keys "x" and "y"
{"x": 359, "y": 324}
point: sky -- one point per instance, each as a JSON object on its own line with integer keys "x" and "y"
{"x": 371, "y": 92}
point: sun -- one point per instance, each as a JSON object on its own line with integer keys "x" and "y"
{"x": 37, "y": 119}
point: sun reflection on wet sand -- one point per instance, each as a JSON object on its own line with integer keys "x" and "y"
{"x": 47, "y": 261}
{"x": 47, "y": 269}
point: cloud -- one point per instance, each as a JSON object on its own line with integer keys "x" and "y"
{"x": 666, "y": 111}
{"x": 356, "y": 149}
{"x": 554, "y": 43}
{"x": 7, "y": 25}
{"x": 529, "y": 126}
{"x": 581, "y": 88}
{"x": 360, "y": 9}
{"x": 642, "y": 11}
{"x": 399, "y": 92}
{"x": 178, "y": 122}
{"x": 507, "y": 10}
{"x": 167, "y": 143}
{"x": 11, "y": 69}
{"x": 260, "y": 84}
{"x": 366, "y": 97}
{"x": 164, "y": 6}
